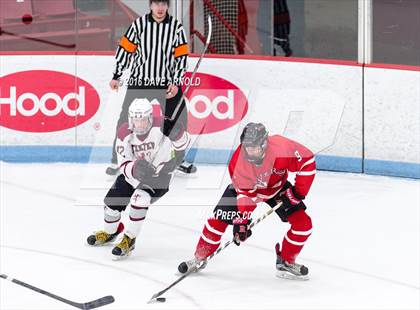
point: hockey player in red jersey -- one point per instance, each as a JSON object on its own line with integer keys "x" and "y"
{"x": 140, "y": 183}
{"x": 259, "y": 169}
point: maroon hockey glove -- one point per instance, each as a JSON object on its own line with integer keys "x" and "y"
{"x": 142, "y": 169}
{"x": 171, "y": 165}
{"x": 168, "y": 167}
{"x": 240, "y": 230}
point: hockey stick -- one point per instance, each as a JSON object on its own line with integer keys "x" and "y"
{"x": 85, "y": 306}
{"x": 176, "y": 110}
{"x": 220, "y": 249}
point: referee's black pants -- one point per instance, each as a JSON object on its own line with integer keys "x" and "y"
{"x": 167, "y": 106}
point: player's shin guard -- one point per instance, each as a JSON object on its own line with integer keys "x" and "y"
{"x": 111, "y": 220}
{"x": 139, "y": 205}
{"x": 136, "y": 219}
{"x": 210, "y": 238}
{"x": 299, "y": 232}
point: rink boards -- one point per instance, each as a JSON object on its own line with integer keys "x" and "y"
{"x": 355, "y": 118}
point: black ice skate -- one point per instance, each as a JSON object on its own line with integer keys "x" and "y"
{"x": 288, "y": 270}
{"x": 124, "y": 248}
{"x": 101, "y": 237}
{"x": 192, "y": 265}
{"x": 187, "y": 168}
{"x": 112, "y": 170}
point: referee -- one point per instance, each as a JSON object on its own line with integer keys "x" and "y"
{"x": 155, "y": 45}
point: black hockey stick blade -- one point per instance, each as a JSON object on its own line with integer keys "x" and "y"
{"x": 85, "y": 306}
{"x": 96, "y": 303}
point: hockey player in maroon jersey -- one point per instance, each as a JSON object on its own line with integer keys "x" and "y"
{"x": 259, "y": 168}
{"x": 140, "y": 184}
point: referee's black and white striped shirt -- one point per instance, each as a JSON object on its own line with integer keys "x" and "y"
{"x": 159, "y": 52}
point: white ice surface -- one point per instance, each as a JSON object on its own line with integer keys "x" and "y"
{"x": 363, "y": 253}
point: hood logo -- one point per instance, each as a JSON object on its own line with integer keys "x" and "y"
{"x": 45, "y": 101}
{"x": 214, "y": 105}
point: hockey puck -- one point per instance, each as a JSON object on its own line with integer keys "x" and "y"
{"x": 161, "y": 299}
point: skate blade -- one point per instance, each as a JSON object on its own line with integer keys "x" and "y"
{"x": 180, "y": 174}
{"x": 117, "y": 258}
{"x": 98, "y": 245}
{"x": 191, "y": 272}
{"x": 288, "y": 276}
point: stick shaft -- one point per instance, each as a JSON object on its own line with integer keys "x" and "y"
{"x": 178, "y": 106}
{"x": 249, "y": 227}
{"x": 34, "y": 288}
{"x": 175, "y": 112}
{"x": 86, "y": 306}
{"x": 220, "y": 249}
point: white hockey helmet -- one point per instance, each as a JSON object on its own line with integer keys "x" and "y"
{"x": 140, "y": 116}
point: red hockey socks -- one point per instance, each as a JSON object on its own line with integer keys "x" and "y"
{"x": 210, "y": 238}
{"x": 295, "y": 238}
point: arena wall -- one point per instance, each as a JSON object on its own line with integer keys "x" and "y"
{"x": 355, "y": 118}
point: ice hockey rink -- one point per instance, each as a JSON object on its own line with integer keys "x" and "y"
{"x": 363, "y": 253}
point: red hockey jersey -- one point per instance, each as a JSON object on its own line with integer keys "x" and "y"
{"x": 255, "y": 184}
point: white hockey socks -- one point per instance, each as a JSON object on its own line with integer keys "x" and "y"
{"x": 139, "y": 205}
{"x": 111, "y": 220}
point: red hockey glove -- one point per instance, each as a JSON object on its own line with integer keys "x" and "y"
{"x": 240, "y": 230}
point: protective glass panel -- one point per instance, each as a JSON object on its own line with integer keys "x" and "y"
{"x": 300, "y": 28}
{"x": 396, "y": 38}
